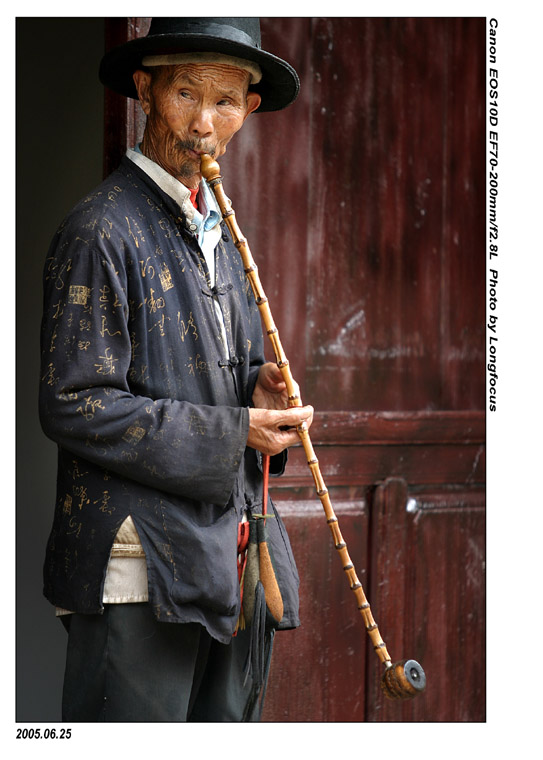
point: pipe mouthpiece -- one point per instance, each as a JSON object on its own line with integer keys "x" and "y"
{"x": 209, "y": 167}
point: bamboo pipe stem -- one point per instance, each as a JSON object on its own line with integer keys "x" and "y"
{"x": 211, "y": 172}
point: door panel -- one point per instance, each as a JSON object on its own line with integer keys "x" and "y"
{"x": 313, "y": 665}
{"x": 428, "y": 580}
{"x": 418, "y": 547}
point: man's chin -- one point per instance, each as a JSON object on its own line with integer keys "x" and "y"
{"x": 188, "y": 167}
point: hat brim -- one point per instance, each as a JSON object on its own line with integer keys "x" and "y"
{"x": 278, "y": 87}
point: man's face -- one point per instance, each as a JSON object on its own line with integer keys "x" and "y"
{"x": 192, "y": 109}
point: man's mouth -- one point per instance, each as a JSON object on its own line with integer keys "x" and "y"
{"x": 195, "y": 149}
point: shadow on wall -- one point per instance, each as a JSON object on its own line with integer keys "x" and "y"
{"x": 59, "y": 103}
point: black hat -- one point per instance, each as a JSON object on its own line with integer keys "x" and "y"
{"x": 237, "y": 37}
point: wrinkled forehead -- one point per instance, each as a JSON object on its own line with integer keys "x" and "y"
{"x": 218, "y": 76}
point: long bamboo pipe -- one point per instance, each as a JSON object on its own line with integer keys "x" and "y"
{"x": 401, "y": 680}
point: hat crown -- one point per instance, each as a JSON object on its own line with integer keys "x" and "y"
{"x": 241, "y": 30}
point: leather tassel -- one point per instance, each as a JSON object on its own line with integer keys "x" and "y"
{"x": 251, "y": 575}
{"x": 274, "y": 600}
{"x": 255, "y": 664}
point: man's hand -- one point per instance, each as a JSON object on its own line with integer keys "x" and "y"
{"x": 272, "y": 427}
{"x": 271, "y": 390}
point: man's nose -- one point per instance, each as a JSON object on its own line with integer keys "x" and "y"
{"x": 201, "y": 124}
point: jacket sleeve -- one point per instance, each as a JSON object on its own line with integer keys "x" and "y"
{"x": 86, "y": 404}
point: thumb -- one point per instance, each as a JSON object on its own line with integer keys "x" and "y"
{"x": 296, "y": 415}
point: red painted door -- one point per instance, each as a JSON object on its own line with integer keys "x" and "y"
{"x": 363, "y": 204}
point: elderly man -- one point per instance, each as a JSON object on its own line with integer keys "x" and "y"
{"x": 155, "y": 389}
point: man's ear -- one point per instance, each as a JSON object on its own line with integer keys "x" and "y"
{"x": 253, "y": 101}
{"x": 142, "y": 80}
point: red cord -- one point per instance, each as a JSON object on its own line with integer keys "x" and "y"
{"x": 266, "y": 475}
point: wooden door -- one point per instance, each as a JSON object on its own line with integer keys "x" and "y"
{"x": 363, "y": 204}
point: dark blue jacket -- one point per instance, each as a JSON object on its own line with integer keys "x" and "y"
{"x": 150, "y": 418}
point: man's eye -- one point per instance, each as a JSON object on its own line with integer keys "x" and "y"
{"x": 185, "y": 94}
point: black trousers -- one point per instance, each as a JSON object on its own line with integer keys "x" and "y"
{"x": 125, "y": 666}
